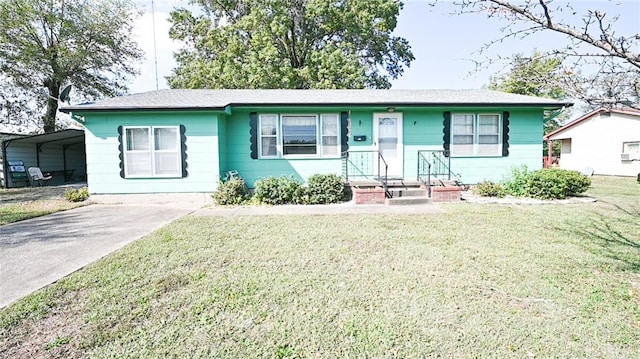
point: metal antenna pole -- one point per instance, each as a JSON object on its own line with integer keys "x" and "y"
{"x": 155, "y": 51}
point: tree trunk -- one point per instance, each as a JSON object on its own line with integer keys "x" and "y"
{"x": 49, "y": 118}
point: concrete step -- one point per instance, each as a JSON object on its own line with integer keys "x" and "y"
{"x": 403, "y": 183}
{"x": 445, "y": 183}
{"x": 407, "y": 201}
{"x": 410, "y": 192}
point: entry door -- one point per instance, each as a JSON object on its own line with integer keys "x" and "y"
{"x": 387, "y": 137}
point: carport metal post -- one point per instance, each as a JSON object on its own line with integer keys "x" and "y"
{"x": 5, "y": 168}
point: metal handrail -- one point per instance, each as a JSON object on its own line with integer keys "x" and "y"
{"x": 424, "y": 171}
{"x": 363, "y": 164}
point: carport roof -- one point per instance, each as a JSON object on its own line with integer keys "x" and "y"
{"x": 63, "y": 137}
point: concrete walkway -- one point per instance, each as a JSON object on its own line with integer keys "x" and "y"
{"x": 40, "y": 251}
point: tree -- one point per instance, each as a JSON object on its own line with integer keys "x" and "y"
{"x": 289, "y": 44}
{"x": 51, "y": 43}
{"x": 540, "y": 76}
{"x": 594, "y": 43}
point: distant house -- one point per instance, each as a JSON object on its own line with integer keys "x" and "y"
{"x": 187, "y": 140}
{"x": 605, "y": 141}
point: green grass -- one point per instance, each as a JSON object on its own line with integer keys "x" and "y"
{"x": 481, "y": 280}
{"x": 18, "y": 212}
{"x": 18, "y": 204}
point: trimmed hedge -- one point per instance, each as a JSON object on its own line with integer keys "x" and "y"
{"x": 555, "y": 183}
{"x": 550, "y": 183}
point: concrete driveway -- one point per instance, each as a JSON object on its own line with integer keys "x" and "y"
{"x": 40, "y": 251}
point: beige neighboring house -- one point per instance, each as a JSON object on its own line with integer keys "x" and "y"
{"x": 604, "y": 142}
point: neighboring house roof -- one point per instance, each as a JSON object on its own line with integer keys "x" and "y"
{"x": 219, "y": 99}
{"x": 625, "y": 111}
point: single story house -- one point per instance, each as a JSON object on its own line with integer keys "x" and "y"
{"x": 187, "y": 140}
{"x": 603, "y": 141}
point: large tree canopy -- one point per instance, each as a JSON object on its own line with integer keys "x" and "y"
{"x": 289, "y": 44}
{"x": 610, "y": 58}
{"x": 51, "y": 43}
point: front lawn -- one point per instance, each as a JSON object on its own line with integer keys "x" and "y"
{"x": 17, "y": 204}
{"x": 481, "y": 280}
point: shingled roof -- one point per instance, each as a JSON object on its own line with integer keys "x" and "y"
{"x": 219, "y": 99}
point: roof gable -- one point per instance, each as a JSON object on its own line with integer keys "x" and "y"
{"x": 588, "y": 116}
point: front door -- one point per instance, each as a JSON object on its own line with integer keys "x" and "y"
{"x": 387, "y": 138}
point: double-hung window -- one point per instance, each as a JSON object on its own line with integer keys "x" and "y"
{"x": 152, "y": 151}
{"x": 300, "y": 135}
{"x": 476, "y": 135}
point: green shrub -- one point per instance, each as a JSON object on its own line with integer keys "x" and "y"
{"x": 77, "y": 195}
{"x": 279, "y": 190}
{"x": 577, "y": 183}
{"x": 231, "y": 192}
{"x": 516, "y": 184}
{"x": 489, "y": 189}
{"x": 555, "y": 183}
{"x": 324, "y": 188}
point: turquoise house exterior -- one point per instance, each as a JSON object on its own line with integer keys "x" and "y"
{"x": 170, "y": 141}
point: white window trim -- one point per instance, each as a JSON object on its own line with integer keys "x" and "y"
{"x": 280, "y": 140}
{"x": 278, "y": 132}
{"x": 476, "y": 134}
{"x": 152, "y": 151}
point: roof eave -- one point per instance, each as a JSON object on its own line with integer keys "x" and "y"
{"x": 142, "y": 108}
{"x": 79, "y": 109}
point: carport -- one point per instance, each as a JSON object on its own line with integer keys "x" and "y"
{"x": 60, "y": 153}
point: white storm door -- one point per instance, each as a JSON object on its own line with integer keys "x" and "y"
{"x": 387, "y": 138}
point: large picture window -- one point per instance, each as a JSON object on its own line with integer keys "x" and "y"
{"x": 476, "y": 135}
{"x": 152, "y": 152}
{"x": 299, "y": 135}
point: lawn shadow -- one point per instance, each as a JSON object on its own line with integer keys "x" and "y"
{"x": 614, "y": 235}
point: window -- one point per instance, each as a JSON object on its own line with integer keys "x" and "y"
{"x": 631, "y": 147}
{"x": 152, "y": 152}
{"x": 299, "y": 135}
{"x": 476, "y": 135}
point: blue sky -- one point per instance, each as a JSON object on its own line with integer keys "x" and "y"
{"x": 443, "y": 44}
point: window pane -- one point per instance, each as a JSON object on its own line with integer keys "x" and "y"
{"x": 463, "y": 139}
{"x": 269, "y": 146}
{"x": 138, "y": 163}
{"x": 166, "y": 138}
{"x": 632, "y": 147}
{"x": 330, "y": 125}
{"x": 463, "y": 124}
{"x": 137, "y": 139}
{"x": 488, "y": 125}
{"x": 329, "y": 135}
{"x": 167, "y": 163}
{"x": 488, "y": 139}
{"x": 299, "y": 135}
{"x": 268, "y": 125}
